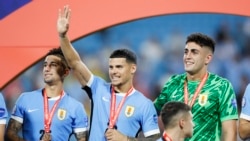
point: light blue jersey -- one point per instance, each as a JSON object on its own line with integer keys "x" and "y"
{"x": 69, "y": 116}
{"x": 3, "y": 110}
{"x": 137, "y": 114}
{"x": 245, "y": 111}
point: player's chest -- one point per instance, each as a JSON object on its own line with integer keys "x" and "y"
{"x": 37, "y": 113}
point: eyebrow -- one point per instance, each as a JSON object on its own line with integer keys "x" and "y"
{"x": 192, "y": 49}
{"x": 53, "y": 62}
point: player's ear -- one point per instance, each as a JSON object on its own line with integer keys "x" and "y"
{"x": 66, "y": 72}
{"x": 209, "y": 57}
{"x": 181, "y": 123}
{"x": 133, "y": 68}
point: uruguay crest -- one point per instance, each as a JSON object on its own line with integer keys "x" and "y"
{"x": 203, "y": 99}
{"x": 61, "y": 114}
{"x": 129, "y": 111}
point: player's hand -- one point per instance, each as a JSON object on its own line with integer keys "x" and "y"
{"x": 114, "y": 135}
{"x": 63, "y": 21}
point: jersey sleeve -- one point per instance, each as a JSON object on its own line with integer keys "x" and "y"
{"x": 149, "y": 120}
{"x": 245, "y": 105}
{"x": 228, "y": 104}
{"x": 97, "y": 86}
{"x": 3, "y": 110}
{"x": 163, "y": 97}
{"x": 80, "y": 123}
{"x": 18, "y": 110}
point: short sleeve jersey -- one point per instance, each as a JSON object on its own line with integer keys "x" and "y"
{"x": 215, "y": 103}
{"x": 69, "y": 116}
{"x": 137, "y": 113}
{"x": 245, "y": 111}
{"x": 3, "y": 110}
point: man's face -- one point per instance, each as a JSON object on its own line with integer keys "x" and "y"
{"x": 195, "y": 57}
{"x": 52, "y": 69}
{"x": 120, "y": 72}
{"x": 189, "y": 125}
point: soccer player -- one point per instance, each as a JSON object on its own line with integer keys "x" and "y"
{"x": 119, "y": 111}
{"x": 177, "y": 121}
{"x": 3, "y": 117}
{"x": 210, "y": 96}
{"x": 244, "y": 122}
{"x": 48, "y": 113}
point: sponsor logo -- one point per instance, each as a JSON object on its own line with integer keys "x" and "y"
{"x": 155, "y": 118}
{"x": 129, "y": 111}
{"x": 105, "y": 99}
{"x": 32, "y": 110}
{"x": 61, "y": 114}
{"x": 2, "y": 112}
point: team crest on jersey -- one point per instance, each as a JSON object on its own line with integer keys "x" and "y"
{"x": 129, "y": 111}
{"x": 203, "y": 99}
{"x": 61, "y": 114}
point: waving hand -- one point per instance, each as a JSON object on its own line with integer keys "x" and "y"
{"x": 63, "y": 21}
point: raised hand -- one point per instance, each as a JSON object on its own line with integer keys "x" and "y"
{"x": 63, "y": 21}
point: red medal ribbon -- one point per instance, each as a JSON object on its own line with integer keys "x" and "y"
{"x": 166, "y": 137}
{"x": 113, "y": 112}
{"x": 196, "y": 91}
{"x": 48, "y": 115}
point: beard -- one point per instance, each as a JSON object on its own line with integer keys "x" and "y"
{"x": 48, "y": 81}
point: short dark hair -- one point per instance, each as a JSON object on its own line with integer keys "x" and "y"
{"x": 129, "y": 55}
{"x": 170, "y": 110}
{"x": 202, "y": 40}
{"x": 58, "y": 52}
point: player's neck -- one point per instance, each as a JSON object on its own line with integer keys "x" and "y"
{"x": 122, "y": 89}
{"x": 175, "y": 134}
{"x": 196, "y": 76}
{"x": 53, "y": 91}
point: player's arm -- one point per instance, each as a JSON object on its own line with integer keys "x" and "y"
{"x": 229, "y": 130}
{"x": 81, "y": 71}
{"x": 81, "y": 136}
{"x": 12, "y": 131}
{"x": 115, "y": 135}
{"x": 149, "y": 138}
{"x": 244, "y": 121}
{"x": 2, "y": 130}
{"x": 244, "y": 129}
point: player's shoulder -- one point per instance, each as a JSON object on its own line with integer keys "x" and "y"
{"x": 1, "y": 96}
{"x": 71, "y": 99}
{"x": 176, "y": 78}
{"x": 246, "y": 94}
{"x": 139, "y": 95}
{"x": 216, "y": 78}
{"x": 98, "y": 79}
{"x": 31, "y": 93}
{"x": 98, "y": 83}
{"x": 248, "y": 87}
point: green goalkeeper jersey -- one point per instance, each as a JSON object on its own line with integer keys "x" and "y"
{"x": 215, "y": 103}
